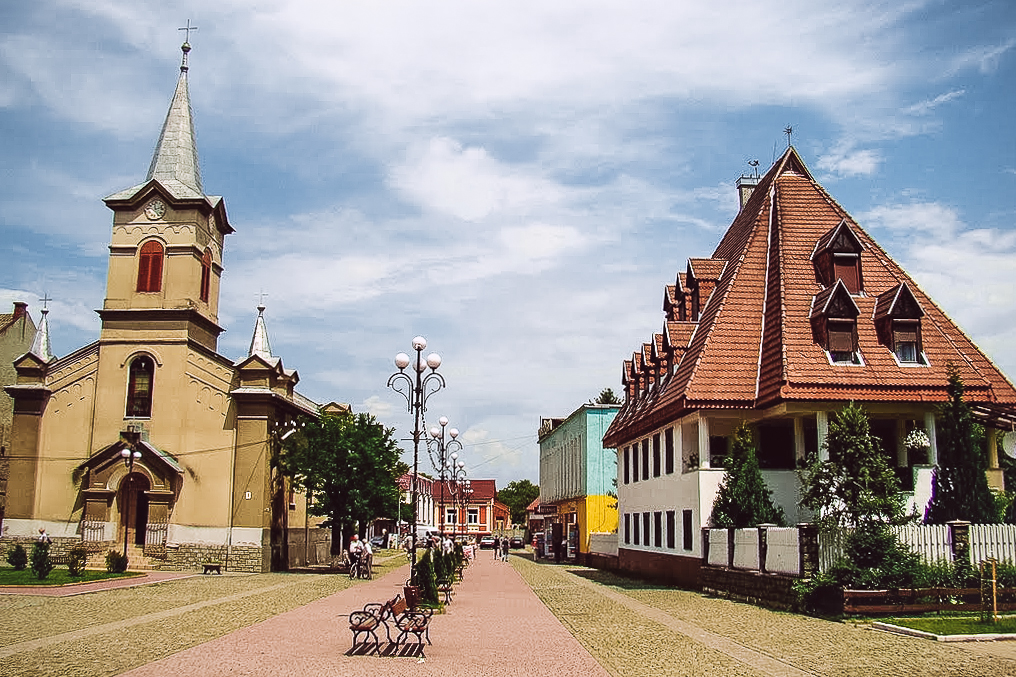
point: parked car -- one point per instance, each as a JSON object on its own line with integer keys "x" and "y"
{"x": 487, "y": 543}
{"x": 378, "y": 541}
{"x": 516, "y": 542}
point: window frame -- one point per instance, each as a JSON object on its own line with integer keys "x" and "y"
{"x": 139, "y": 399}
{"x": 150, "y": 267}
{"x": 206, "y": 276}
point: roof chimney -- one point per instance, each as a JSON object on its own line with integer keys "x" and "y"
{"x": 745, "y": 186}
{"x": 19, "y": 309}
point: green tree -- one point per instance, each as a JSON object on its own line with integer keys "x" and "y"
{"x": 856, "y": 485}
{"x": 743, "y": 499}
{"x": 960, "y": 488}
{"x": 517, "y": 496}
{"x": 349, "y": 466}
{"x": 41, "y": 562}
{"x": 607, "y": 396}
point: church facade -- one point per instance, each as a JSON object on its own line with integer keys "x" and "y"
{"x": 148, "y": 441}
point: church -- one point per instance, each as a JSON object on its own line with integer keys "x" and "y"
{"x": 148, "y": 441}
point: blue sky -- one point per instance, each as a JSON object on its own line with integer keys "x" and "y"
{"x": 515, "y": 181}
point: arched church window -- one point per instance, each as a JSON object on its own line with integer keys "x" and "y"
{"x": 150, "y": 267}
{"x": 139, "y": 387}
{"x": 206, "y": 274}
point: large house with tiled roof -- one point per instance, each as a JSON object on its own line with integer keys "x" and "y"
{"x": 797, "y": 312}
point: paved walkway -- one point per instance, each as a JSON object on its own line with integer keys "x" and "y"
{"x": 495, "y": 626}
{"x": 71, "y": 589}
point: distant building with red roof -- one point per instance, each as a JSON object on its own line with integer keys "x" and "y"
{"x": 797, "y": 312}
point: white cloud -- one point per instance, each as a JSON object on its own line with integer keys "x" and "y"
{"x": 928, "y": 106}
{"x": 846, "y": 161}
{"x": 467, "y": 183}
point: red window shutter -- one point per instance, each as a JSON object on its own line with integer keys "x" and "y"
{"x": 483, "y": 514}
{"x": 150, "y": 267}
{"x": 206, "y": 274}
{"x": 841, "y": 337}
{"x": 847, "y": 268}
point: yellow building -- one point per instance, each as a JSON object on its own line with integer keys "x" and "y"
{"x": 148, "y": 440}
{"x": 577, "y": 479}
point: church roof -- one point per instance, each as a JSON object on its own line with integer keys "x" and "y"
{"x": 41, "y": 345}
{"x": 175, "y": 160}
{"x": 755, "y": 346}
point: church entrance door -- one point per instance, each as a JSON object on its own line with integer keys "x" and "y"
{"x": 133, "y": 503}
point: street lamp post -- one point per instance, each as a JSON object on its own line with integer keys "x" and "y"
{"x": 416, "y": 389}
{"x": 129, "y": 454}
{"x": 462, "y": 493}
{"x": 443, "y": 456}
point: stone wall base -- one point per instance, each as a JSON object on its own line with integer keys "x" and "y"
{"x": 182, "y": 557}
{"x": 660, "y": 567}
{"x": 775, "y": 591}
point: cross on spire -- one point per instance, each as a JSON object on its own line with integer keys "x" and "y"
{"x": 187, "y": 28}
{"x": 261, "y": 298}
{"x": 45, "y": 300}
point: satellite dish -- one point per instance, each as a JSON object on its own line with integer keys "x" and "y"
{"x": 1009, "y": 444}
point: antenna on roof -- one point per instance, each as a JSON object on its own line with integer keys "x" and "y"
{"x": 754, "y": 167}
{"x": 789, "y": 131}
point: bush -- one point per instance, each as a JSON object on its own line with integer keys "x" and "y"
{"x": 41, "y": 563}
{"x": 425, "y": 578}
{"x": 17, "y": 557}
{"x": 821, "y": 594}
{"x": 76, "y": 560}
{"x": 116, "y": 563}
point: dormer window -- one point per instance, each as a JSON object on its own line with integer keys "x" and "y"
{"x": 837, "y": 256}
{"x": 905, "y": 343}
{"x": 834, "y": 324}
{"x": 842, "y": 341}
{"x": 898, "y": 324}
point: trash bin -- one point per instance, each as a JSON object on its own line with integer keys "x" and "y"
{"x": 412, "y": 595}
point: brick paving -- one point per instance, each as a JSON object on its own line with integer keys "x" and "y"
{"x": 521, "y": 618}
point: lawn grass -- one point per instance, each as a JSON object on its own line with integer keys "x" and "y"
{"x": 957, "y": 625}
{"x": 9, "y": 576}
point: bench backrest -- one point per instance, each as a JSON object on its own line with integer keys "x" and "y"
{"x": 398, "y": 606}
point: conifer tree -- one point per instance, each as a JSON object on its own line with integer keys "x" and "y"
{"x": 960, "y": 489}
{"x": 743, "y": 499}
{"x": 856, "y": 485}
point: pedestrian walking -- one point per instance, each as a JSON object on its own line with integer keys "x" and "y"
{"x": 504, "y": 549}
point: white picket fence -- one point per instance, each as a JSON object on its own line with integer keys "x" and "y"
{"x": 933, "y": 542}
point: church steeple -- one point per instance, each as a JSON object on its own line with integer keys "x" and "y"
{"x": 40, "y": 346}
{"x": 259, "y": 342}
{"x": 166, "y": 251}
{"x": 175, "y": 161}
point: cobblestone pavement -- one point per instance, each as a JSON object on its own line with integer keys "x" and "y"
{"x": 589, "y": 623}
{"x": 639, "y": 629}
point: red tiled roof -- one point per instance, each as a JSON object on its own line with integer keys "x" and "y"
{"x": 753, "y": 345}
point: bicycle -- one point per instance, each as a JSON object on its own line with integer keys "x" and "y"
{"x": 360, "y": 568}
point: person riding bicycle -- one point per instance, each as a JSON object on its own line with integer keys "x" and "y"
{"x": 355, "y": 550}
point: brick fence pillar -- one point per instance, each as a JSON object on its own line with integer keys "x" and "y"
{"x": 807, "y": 540}
{"x": 705, "y": 546}
{"x": 959, "y": 536}
{"x": 763, "y": 545}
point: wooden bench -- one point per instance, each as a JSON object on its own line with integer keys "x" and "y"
{"x": 212, "y": 567}
{"x": 366, "y": 622}
{"x": 444, "y": 586}
{"x": 410, "y": 621}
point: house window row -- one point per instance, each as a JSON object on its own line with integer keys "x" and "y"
{"x": 652, "y": 455}
{"x": 658, "y": 529}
